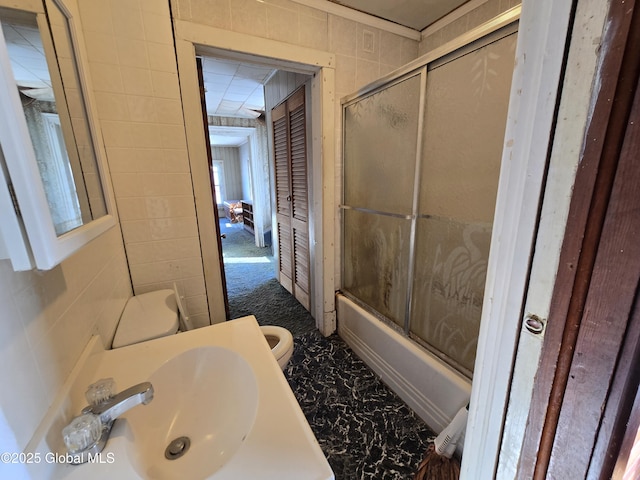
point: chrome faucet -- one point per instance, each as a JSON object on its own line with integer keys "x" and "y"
{"x": 87, "y": 434}
{"x": 111, "y": 408}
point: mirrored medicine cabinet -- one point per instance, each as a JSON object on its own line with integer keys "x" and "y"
{"x": 53, "y": 193}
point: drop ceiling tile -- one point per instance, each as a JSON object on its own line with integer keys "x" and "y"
{"x": 219, "y": 66}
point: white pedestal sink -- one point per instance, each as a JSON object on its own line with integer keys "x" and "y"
{"x": 219, "y": 387}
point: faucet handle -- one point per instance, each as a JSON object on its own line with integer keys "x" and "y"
{"x": 82, "y": 433}
{"x": 100, "y": 391}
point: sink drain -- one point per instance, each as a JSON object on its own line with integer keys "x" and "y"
{"x": 177, "y": 448}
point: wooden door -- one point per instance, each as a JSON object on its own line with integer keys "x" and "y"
{"x": 588, "y": 376}
{"x": 205, "y": 123}
{"x": 292, "y": 194}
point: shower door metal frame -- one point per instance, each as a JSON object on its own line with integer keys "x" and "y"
{"x": 492, "y": 31}
{"x": 396, "y": 79}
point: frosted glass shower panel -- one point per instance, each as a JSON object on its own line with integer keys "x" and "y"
{"x": 380, "y": 137}
{"x": 467, "y": 100}
{"x": 448, "y": 287}
{"x": 376, "y": 254}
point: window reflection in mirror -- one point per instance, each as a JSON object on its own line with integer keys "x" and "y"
{"x": 46, "y": 76}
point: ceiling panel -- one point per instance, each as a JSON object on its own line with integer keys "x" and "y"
{"x": 415, "y": 14}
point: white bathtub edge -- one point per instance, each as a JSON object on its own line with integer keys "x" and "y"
{"x": 429, "y": 387}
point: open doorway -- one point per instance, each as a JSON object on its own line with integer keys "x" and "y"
{"x": 319, "y": 66}
{"x": 241, "y": 174}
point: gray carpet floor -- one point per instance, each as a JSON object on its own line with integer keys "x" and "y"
{"x": 364, "y": 429}
{"x": 252, "y": 287}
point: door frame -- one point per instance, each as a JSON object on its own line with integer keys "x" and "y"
{"x": 191, "y": 37}
{"x": 592, "y": 339}
{"x": 540, "y": 55}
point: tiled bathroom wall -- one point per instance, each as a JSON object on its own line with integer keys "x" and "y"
{"x": 47, "y": 319}
{"x": 363, "y": 52}
{"x": 133, "y": 67}
{"x": 454, "y": 25}
{"x": 132, "y": 62}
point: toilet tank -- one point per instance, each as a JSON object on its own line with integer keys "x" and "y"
{"x": 147, "y": 316}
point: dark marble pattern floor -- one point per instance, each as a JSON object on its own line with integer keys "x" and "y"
{"x": 364, "y": 429}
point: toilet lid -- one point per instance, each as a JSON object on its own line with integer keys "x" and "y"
{"x": 147, "y": 316}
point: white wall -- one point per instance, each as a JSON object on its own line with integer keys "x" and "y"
{"x": 244, "y": 155}
{"x": 229, "y": 156}
{"x": 461, "y": 20}
{"x": 47, "y": 319}
{"x": 132, "y": 61}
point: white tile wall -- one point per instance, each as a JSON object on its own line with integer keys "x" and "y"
{"x": 131, "y": 55}
{"x": 363, "y": 53}
{"x": 290, "y": 22}
{"x": 455, "y": 28}
{"x": 47, "y": 319}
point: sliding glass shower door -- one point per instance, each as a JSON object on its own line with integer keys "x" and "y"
{"x": 421, "y": 165}
{"x": 379, "y": 196}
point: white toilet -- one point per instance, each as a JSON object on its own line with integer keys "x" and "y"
{"x": 161, "y": 313}
{"x": 280, "y": 341}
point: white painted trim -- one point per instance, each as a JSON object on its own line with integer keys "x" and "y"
{"x": 200, "y": 177}
{"x": 360, "y": 17}
{"x": 244, "y": 44}
{"x": 459, "y": 12}
{"x": 323, "y": 114}
{"x": 191, "y": 36}
{"x": 259, "y": 190}
{"x": 542, "y": 35}
{"x": 565, "y": 157}
{"x": 14, "y": 239}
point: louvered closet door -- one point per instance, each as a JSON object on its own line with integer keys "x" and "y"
{"x": 292, "y": 204}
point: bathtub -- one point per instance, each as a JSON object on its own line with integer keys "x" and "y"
{"x": 428, "y": 386}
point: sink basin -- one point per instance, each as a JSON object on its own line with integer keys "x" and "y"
{"x": 208, "y": 395}
{"x": 220, "y": 386}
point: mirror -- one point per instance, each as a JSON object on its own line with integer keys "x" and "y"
{"x": 46, "y": 76}
{"x": 54, "y": 194}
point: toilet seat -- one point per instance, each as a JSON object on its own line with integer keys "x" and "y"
{"x": 147, "y": 316}
{"x": 284, "y": 348}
